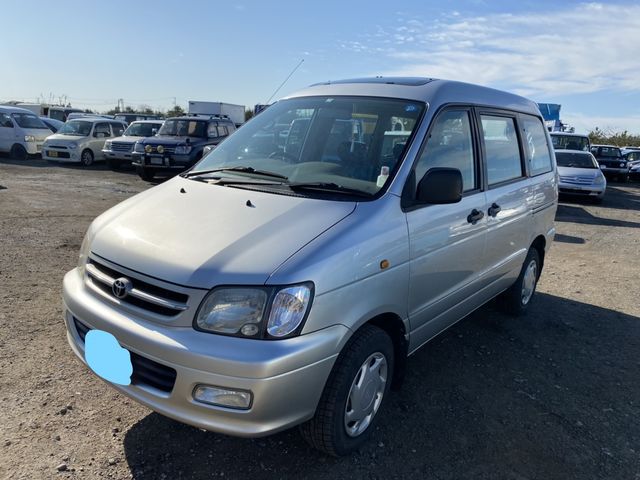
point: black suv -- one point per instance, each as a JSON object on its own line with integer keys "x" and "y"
{"x": 611, "y": 161}
{"x": 179, "y": 144}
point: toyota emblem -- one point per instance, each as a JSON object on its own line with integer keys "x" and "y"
{"x": 121, "y": 287}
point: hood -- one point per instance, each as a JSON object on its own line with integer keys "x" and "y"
{"x": 127, "y": 138}
{"x": 58, "y": 137}
{"x": 40, "y": 134}
{"x": 171, "y": 140}
{"x": 208, "y": 235}
{"x": 578, "y": 172}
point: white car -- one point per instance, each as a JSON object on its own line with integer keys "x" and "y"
{"x": 81, "y": 140}
{"x": 118, "y": 151}
{"x": 580, "y": 175}
{"x": 21, "y": 132}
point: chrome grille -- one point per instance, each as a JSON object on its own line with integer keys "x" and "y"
{"x": 121, "y": 147}
{"x": 142, "y": 294}
{"x": 576, "y": 179}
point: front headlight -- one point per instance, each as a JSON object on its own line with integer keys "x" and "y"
{"x": 598, "y": 179}
{"x": 243, "y": 311}
{"x": 73, "y": 146}
{"x": 183, "y": 150}
{"x": 622, "y": 165}
{"x": 138, "y": 148}
{"x": 29, "y": 138}
{"x": 107, "y": 145}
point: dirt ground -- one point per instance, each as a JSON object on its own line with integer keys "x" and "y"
{"x": 554, "y": 395}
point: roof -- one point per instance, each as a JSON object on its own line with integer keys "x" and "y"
{"x": 570, "y": 134}
{"x": 89, "y": 118}
{"x": 12, "y": 109}
{"x": 203, "y": 118}
{"x": 577, "y": 152}
{"x": 603, "y": 145}
{"x": 157, "y": 120}
{"x": 433, "y": 91}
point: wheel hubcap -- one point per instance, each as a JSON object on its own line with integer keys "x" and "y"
{"x": 86, "y": 158}
{"x": 529, "y": 281}
{"x": 365, "y": 396}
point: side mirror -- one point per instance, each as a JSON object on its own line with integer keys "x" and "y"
{"x": 440, "y": 186}
{"x": 154, "y": 131}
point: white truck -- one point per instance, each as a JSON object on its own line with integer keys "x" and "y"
{"x": 234, "y": 112}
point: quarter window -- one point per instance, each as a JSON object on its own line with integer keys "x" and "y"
{"x": 537, "y": 148}
{"x": 501, "y": 149}
{"x": 5, "y": 120}
{"x": 450, "y": 145}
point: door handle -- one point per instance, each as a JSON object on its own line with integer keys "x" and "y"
{"x": 475, "y": 216}
{"x": 494, "y": 209}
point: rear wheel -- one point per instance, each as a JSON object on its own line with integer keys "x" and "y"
{"x": 86, "y": 158}
{"x": 355, "y": 391}
{"x": 19, "y": 152}
{"x": 517, "y": 298}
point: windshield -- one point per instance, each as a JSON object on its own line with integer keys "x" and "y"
{"x": 142, "y": 129}
{"x": 350, "y": 142}
{"x": 607, "y": 152}
{"x": 29, "y": 120}
{"x": 570, "y": 142}
{"x": 184, "y": 128}
{"x": 76, "y": 127}
{"x": 576, "y": 160}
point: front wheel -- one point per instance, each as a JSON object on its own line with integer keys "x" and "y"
{"x": 144, "y": 174}
{"x": 19, "y": 152}
{"x": 355, "y": 391}
{"x": 517, "y": 298}
{"x": 86, "y": 158}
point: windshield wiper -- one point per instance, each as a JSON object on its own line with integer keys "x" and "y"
{"x": 328, "y": 187}
{"x": 251, "y": 170}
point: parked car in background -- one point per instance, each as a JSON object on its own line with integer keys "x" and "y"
{"x": 133, "y": 117}
{"x": 580, "y": 175}
{"x": 119, "y": 150}
{"x": 179, "y": 144}
{"x": 611, "y": 161}
{"x": 81, "y": 141}
{"x": 61, "y": 113}
{"x": 22, "y": 133}
{"x": 570, "y": 141}
{"x": 263, "y": 290}
{"x": 633, "y": 160}
{"x": 76, "y": 115}
{"x": 53, "y": 124}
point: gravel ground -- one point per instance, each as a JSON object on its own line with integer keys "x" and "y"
{"x": 554, "y": 395}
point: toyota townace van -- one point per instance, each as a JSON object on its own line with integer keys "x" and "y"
{"x": 269, "y": 287}
{"x": 22, "y": 133}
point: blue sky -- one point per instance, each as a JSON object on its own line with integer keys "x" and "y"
{"x": 585, "y": 56}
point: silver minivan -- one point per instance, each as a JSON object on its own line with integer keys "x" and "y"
{"x": 22, "y": 133}
{"x": 270, "y": 287}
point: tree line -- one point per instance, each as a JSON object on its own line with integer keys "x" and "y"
{"x": 611, "y": 137}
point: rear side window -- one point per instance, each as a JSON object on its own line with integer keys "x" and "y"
{"x": 450, "y": 145}
{"x": 101, "y": 130}
{"x": 501, "y": 149}
{"x": 118, "y": 129}
{"x": 537, "y": 149}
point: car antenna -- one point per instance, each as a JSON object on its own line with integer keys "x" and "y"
{"x": 285, "y": 81}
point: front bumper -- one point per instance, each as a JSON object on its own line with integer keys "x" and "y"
{"x": 55, "y": 154}
{"x": 159, "y": 162}
{"x": 615, "y": 171}
{"x": 588, "y": 190}
{"x": 286, "y": 377}
{"x": 122, "y": 156}
{"x": 33, "y": 148}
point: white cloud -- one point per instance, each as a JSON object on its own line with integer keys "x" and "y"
{"x": 585, "y": 123}
{"x": 579, "y": 49}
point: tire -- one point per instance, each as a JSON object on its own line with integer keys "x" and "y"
{"x": 18, "y": 152}
{"x": 517, "y": 298}
{"x": 86, "y": 158}
{"x": 339, "y": 426}
{"x": 114, "y": 164}
{"x": 144, "y": 174}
